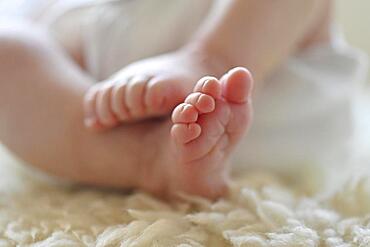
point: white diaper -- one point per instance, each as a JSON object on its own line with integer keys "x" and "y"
{"x": 304, "y": 112}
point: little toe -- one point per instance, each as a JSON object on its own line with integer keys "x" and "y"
{"x": 184, "y": 133}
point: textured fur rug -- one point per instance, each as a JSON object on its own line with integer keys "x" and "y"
{"x": 262, "y": 210}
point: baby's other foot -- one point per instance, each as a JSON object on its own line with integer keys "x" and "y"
{"x": 148, "y": 88}
{"x": 206, "y": 129}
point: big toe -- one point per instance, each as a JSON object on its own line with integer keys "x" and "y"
{"x": 237, "y": 85}
{"x": 163, "y": 95}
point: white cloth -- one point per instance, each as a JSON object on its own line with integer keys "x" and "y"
{"x": 304, "y": 112}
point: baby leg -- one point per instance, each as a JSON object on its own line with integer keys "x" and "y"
{"x": 41, "y": 114}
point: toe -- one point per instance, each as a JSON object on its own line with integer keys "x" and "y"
{"x": 237, "y": 85}
{"x": 135, "y": 95}
{"x": 162, "y": 95}
{"x": 213, "y": 126}
{"x": 184, "y": 113}
{"x": 184, "y": 133}
{"x": 209, "y": 85}
{"x": 90, "y": 107}
{"x": 203, "y": 102}
{"x": 118, "y": 105}
{"x": 155, "y": 97}
{"x": 103, "y": 109}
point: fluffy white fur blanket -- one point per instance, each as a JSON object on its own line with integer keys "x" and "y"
{"x": 261, "y": 211}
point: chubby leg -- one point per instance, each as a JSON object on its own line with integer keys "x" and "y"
{"x": 41, "y": 115}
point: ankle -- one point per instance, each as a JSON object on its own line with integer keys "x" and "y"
{"x": 213, "y": 62}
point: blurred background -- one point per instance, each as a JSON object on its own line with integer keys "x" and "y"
{"x": 352, "y": 15}
{"x": 354, "y": 18}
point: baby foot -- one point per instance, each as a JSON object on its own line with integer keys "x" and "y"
{"x": 148, "y": 88}
{"x": 206, "y": 129}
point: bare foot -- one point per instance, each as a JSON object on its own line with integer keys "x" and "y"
{"x": 148, "y": 88}
{"x": 206, "y": 129}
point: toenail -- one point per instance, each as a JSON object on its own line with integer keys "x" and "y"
{"x": 207, "y": 82}
{"x": 187, "y": 107}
